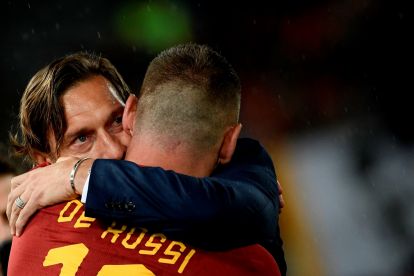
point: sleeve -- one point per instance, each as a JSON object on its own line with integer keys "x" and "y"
{"x": 237, "y": 205}
{"x": 85, "y": 188}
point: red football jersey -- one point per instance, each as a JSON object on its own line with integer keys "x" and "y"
{"x": 61, "y": 240}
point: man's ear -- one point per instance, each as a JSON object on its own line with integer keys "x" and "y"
{"x": 128, "y": 118}
{"x": 229, "y": 144}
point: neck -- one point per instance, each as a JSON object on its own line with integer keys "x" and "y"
{"x": 147, "y": 151}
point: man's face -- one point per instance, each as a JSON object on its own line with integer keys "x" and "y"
{"x": 94, "y": 121}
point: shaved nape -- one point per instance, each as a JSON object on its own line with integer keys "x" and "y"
{"x": 189, "y": 93}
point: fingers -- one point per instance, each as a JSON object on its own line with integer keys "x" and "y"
{"x": 282, "y": 202}
{"x": 279, "y": 187}
{"x": 15, "y": 211}
{"x": 10, "y": 202}
{"x": 15, "y": 190}
{"x": 18, "y": 189}
{"x": 30, "y": 189}
{"x": 24, "y": 215}
{"x": 11, "y": 199}
{"x": 17, "y": 180}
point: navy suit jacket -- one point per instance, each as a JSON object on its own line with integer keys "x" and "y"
{"x": 238, "y": 205}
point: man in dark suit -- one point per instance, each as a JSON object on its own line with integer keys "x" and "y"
{"x": 225, "y": 209}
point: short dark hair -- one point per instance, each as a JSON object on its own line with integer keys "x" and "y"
{"x": 41, "y": 110}
{"x": 189, "y": 91}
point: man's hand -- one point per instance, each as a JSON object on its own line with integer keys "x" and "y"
{"x": 40, "y": 188}
{"x": 281, "y": 200}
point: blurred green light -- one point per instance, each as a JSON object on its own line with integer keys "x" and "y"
{"x": 153, "y": 27}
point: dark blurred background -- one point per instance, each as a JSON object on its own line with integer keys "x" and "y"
{"x": 325, "y": 89}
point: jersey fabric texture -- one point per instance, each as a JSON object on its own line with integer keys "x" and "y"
{"x": 61, "y": 240}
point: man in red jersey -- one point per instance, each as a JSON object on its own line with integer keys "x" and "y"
{"x": 180, "y": 125}
{"x": 91, "y": 248}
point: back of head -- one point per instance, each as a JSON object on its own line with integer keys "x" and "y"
{"x": 190, "y": 94}
{"x": 41, "y": 110}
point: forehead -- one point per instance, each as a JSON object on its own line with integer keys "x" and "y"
{"x": 89, "y": 104}
{"x": 90, "y": 93}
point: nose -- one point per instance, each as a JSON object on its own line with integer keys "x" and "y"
{"x": 111, "y": 146}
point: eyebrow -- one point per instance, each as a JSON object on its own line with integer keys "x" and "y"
{"x": 68, "y": 137}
